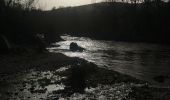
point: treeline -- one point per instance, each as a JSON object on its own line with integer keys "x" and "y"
{"x": 142, "y": 22}
{"x": 23, "y": 26}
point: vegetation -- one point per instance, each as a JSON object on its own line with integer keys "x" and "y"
{"x": 22, "y": 25}
{"x": 138, "y": 22}
{"x": 28, "y": 75}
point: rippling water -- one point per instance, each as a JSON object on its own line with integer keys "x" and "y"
{"x": 140, "y": 60}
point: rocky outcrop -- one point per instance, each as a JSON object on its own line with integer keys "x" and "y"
{"x": 75, "y": 47}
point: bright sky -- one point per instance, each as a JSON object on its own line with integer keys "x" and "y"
{"x": 48, "y": 4}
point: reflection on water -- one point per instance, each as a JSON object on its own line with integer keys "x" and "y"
{"x": 140, "y": 60}
{"x": 54, "y": 87}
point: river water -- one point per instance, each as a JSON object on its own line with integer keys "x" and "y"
{"x": 140, "y": 60}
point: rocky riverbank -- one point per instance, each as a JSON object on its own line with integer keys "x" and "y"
{"x": 51, "y": 76}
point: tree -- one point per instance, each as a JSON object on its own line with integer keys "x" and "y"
{"x": 134, "y": 1}
{"x": 29, "y": 4}
{"x": 54, "y": 8}
{"x": 25, "y": 4}
{"x": 2, "y": 5}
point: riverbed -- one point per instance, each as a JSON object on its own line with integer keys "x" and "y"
{"x": 101, "y": 72}
{"x": 143, "y": 61}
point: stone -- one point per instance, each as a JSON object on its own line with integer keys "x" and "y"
{"x": 75, "y": 47}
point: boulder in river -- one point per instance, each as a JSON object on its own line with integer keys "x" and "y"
{"x": 75, "y": 47}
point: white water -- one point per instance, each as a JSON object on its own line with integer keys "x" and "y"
{"x": 140, "y": 60}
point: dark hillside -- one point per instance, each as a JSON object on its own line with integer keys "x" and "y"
{"x": 120, "y": 21}
{"x": 144, "y": 22}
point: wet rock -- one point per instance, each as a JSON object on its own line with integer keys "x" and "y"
{"x": 40, "y": 91}
{"x": 21, "y": 89}
{"x": 15, "y": 93}
{"x": 160, "y": 78}
{"x": 32, "y": 89}
{"x": 75, "y": 47}
{"x": 41, "y": 98}
{"x": 44, "y": 82}
{"x": 8, "y": 93}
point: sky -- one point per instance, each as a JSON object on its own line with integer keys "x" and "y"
{"x": 49, "y": 4}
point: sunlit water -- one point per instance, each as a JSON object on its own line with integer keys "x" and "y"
{"x": 140, "y": 60}
{"x": 143, "y": 61}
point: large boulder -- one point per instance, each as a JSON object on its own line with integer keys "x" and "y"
{"x": 75, "y": 47}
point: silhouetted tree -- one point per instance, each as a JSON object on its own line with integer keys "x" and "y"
{"x": 2, "y": 3}
{"x": 54, "y": 8}
{"x": 26, "y": 4}
{"x": 110, "y": 0}
{"x": 29, "y": 4}
{"x": 135, "y": 1}
{"x": 147, "y": 1}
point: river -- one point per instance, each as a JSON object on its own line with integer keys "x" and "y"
{"x": 141, "y": 60}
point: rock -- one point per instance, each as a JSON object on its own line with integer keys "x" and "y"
{"x": 160, "y": 78}
{"x": 75, "y": 47}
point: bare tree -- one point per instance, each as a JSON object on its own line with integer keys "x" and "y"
{"x": 26, "y": 4}
{"x": 29, "y": 4}
{"x": 110, "y": 0}
{"x": 133, "y": 1}
{"x": 2, "y": 3}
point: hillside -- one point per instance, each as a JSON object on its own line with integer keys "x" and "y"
{"x": 118, "y": 21}
{"x": 143, "y": 22}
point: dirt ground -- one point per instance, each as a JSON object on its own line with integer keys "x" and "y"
{"x": 53, "y": 76}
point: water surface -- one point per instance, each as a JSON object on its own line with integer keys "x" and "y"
{"x": 140, "y": 60}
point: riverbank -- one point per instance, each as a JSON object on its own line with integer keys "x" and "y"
{"x": 48, "y": 76}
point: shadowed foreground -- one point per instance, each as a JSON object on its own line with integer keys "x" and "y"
{"x": 50, "y": 76}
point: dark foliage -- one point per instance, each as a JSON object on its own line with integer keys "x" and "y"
{"x": 143, "y": 22}
{"x": 23, "y": 26}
